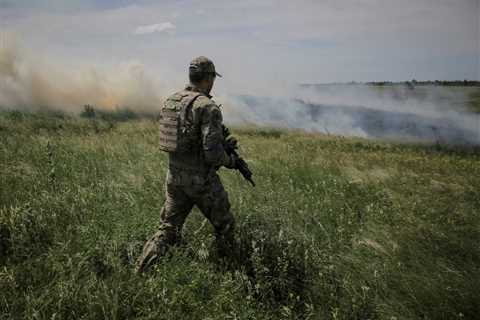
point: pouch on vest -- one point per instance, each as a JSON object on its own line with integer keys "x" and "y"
{"x": 174, "y": 125}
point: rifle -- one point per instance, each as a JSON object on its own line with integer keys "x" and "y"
{"x": 230, "y": 146}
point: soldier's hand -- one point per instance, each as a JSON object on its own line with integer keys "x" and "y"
{"x": 231, "y": 143}
{"x": 233, "y": 162}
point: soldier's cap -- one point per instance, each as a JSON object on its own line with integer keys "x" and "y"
{"x": 203, "y": 65}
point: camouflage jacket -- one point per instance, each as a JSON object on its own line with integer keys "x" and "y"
{"x": 195, "y": 166}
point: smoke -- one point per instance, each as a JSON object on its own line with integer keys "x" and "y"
{"x": 288, "y": 112}
{"x": 424, "y": 113}
{"x": 29, "y": 83}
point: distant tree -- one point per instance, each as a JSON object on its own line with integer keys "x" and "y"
{"x": 88, "y": 111}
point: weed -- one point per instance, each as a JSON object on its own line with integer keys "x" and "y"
{"x": 337, "y": 228}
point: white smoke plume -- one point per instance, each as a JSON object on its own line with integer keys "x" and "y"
{"x": 424, "y": 113}
{"x": 30, "y": 83}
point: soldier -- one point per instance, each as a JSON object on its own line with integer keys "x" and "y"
{"x": 191, "y": 132}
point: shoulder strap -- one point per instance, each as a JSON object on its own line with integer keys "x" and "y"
{"x": 187, "y": 103}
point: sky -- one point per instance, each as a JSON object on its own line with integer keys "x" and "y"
{"x": 256, "y": 43}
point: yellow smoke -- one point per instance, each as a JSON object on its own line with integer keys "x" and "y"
{"x": 30, "y": 83}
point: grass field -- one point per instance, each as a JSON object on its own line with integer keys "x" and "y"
{"x": 336, "y": 228}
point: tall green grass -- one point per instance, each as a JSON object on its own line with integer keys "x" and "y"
{"x": 336, "y": 228}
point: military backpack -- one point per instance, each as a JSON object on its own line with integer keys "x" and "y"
{"x": 176, "y": 123}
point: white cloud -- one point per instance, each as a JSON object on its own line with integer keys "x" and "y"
{"x": 152, "y": 28}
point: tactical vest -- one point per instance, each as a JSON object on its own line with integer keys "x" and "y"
{"x": 176, "y": 124}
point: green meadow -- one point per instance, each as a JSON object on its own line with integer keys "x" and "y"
{"x": 336, "y": 228}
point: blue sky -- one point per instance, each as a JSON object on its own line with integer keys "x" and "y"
{"x": 257, "y": 43}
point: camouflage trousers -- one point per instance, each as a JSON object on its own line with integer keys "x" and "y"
{"x": 212, "y": 200}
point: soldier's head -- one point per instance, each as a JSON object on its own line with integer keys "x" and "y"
{"x": 202, "y": 73}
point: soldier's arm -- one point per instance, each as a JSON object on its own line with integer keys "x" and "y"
{"x": 212, "y": 137}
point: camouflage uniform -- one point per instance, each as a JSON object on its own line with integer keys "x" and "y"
{"x": 192, "y": 180}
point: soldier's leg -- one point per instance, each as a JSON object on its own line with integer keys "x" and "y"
{"x": 214, "y": 205}
{"x": 176, "y": 208}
